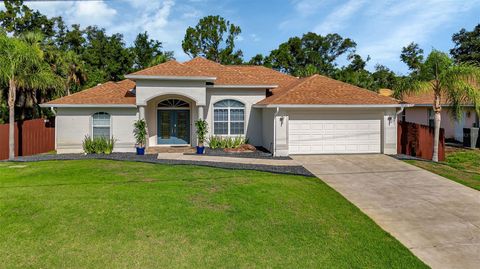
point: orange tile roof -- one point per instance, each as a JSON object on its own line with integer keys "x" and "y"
{"x": 424, "y": 98}
{"x": 321, "y": 90}
{"x": 171, "y": 68}
{"x": 110, "y": 93}
{"x": 226, "y": 75}
{"x": 267, "y": 75}
{"x": 312, "y": 90}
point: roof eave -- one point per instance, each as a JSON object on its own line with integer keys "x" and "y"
{"x": 90, "y": 105}
{"x": 430, "y": 105}
{"x": 243, "y": 86}
{"x": 148, "y": 77}
{"x": 331, "y": 105}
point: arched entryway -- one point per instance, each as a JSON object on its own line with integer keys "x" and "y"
{"x": 173, "y": 122}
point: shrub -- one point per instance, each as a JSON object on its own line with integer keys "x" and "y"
{"x": 202, "y": 130}
{"x": 98, "y": 145}
{"x": 216, "y": 142}
{"x": 140, "y": 132}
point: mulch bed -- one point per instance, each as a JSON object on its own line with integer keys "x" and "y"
{"x": 152, "y": 158}
{"x": 259, "y": 153}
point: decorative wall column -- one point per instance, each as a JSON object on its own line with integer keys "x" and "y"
{"x": 141, "y": 116}
{"x": 141, "y": 112}
{"x": 200, "y": 113}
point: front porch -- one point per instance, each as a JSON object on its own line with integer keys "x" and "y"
{"x": 170, "y": 149}
{"x": 171, "y": 123}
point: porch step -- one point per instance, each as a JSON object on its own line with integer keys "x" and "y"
{"x": 172, "y": 149}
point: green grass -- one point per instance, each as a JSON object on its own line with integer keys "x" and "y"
{"x": 462, "y": 166}
{"x": 108, "y": 214}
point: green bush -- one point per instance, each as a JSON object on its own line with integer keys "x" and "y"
{"x": 222, "y": 142}
{"x": 98, "y": 145}
{"x": 140, "y": 132}
{"x": 202, "y": 130}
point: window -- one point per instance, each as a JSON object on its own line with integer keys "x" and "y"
{"x": 101, "y": 125}
{"x": 173, "y": 103}
{"x": 228, "y": 118}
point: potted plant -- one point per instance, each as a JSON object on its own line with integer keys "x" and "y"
{"x": 202, "y": 130}
{"x": 140, "y": 133}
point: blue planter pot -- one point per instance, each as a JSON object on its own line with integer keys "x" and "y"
{"x": 200, "y": 150}
{"x": 141, "y": 151}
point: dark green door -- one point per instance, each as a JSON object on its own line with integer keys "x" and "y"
{"x": 173, "y": 127}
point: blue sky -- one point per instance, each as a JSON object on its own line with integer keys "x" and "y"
{"x": 380, "y": 27}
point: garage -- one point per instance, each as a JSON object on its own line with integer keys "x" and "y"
{"x": 334, "y": 133}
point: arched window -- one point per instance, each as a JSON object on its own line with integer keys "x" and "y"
{"x": 173, "y": 103}
{"x": 228, "y": 118}
{"x": 101, "y": 125}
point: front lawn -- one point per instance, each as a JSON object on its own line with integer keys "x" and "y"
{"x": 462, "y": 166}
{"x": 109, "y": 214}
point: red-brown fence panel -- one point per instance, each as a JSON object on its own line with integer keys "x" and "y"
{"x": 31, "y": 137}
{"x": 417, "y": 140}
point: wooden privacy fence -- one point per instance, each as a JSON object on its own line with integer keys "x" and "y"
{"x": 417, "y": 140}
{"x": 31, "y": 137}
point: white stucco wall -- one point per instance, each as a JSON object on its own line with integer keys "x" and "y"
{"x": 249, "y": 97}
{"x": 151, "y": 117}
{"x": 253, "y": 116}
{"x": 73, "y": 124}
{"x": 389, "y": 131}
{"x": 148, "y": 89}
{"x": 453, "y": 129}
{"x": 267, "y": 128}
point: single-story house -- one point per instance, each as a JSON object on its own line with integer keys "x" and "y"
{"x": 284, "y": 114}
{"x": 422, "y": 113}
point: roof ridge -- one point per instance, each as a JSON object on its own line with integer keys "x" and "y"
{"x": 168, "y": 62}
{"x": 263, "y": 67}
{"x": 292, "y": 86}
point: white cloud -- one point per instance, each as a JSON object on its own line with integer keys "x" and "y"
{"x": 336, "y": 20}
{"x": 92, "y": 12}
{"x": 254, "y": 38}
{"x": 400, "y": 24}
{"x": 79, "y": 12}
{"x": 157, "y": 19}
{"x": 307, "y": 7}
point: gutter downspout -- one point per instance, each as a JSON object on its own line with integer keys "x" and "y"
{"x": 402, "y": 108}
{"x": 275, "y": 132}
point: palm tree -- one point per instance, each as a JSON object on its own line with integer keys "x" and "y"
{"x": 75, "y": 72}
{"x": 22, "y": 67}
{"x": 457, "y": 84}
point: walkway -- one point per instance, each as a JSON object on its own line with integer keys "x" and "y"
{"x": 226, "y": 159}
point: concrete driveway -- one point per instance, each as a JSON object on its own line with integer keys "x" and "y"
{"x": 437, "y": 219}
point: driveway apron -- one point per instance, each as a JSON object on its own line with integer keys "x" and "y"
{"x": 436, "y": 218}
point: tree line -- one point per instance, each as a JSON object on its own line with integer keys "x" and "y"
{"x": 77, "y": 58}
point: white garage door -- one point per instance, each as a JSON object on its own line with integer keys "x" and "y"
{"x": 321, "y": 135}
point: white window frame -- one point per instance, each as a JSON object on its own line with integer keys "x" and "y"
{"x": 92, "y": 125}
{"x": 229, "y": 121}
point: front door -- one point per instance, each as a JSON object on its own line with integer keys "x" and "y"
{"x": 173, "y": 127}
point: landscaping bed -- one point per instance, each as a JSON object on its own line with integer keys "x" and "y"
{"x": 258, "y": 153}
